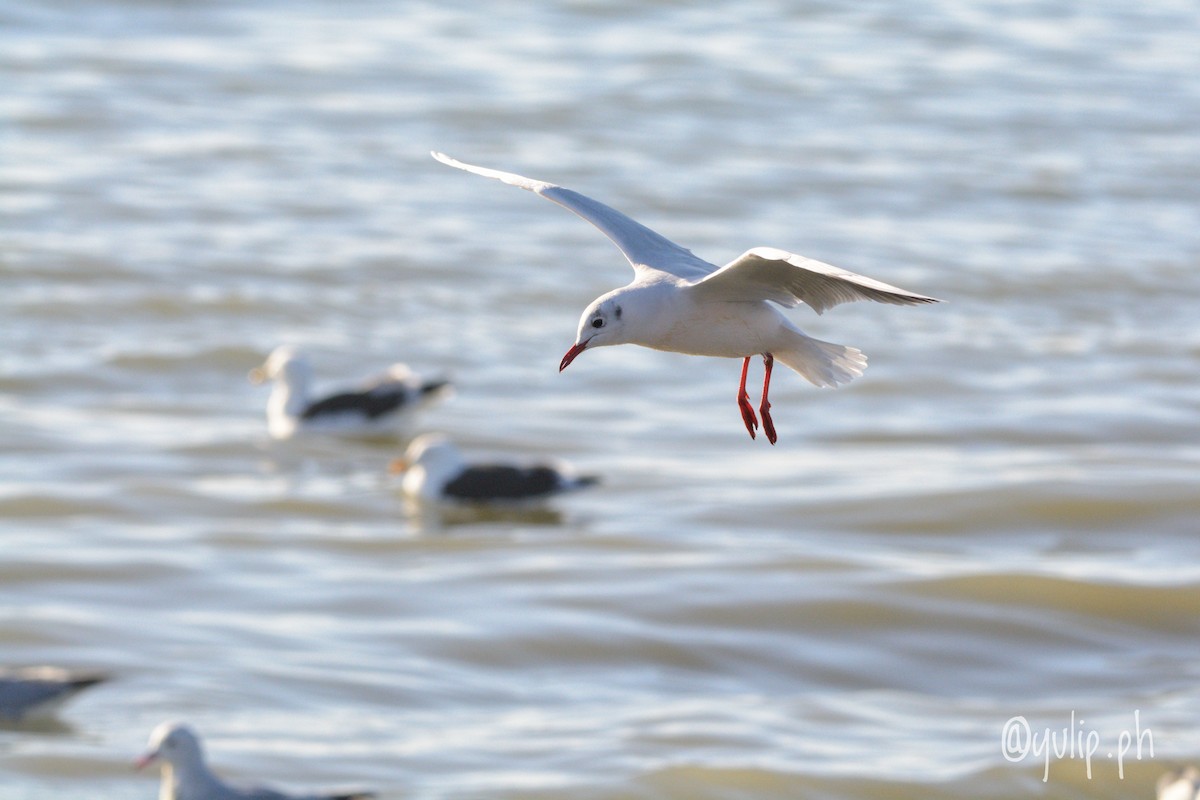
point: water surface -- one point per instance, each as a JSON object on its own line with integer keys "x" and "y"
{"x": 997, "y": 520}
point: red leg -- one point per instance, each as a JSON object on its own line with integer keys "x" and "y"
{"x": 765, "y": 408}
{"x": 744, "y": 401}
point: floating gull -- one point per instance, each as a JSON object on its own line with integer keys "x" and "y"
{"x": 681, "y": 303}
{"x": 434, "y": 469}
{"x": 1179, "y": 784}
{"x": 38, "y": 692}
{"x": 379, "y": 406}
{"x": 185, "y": 776}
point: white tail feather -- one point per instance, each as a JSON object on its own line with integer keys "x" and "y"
{"x": 824, "y": 364}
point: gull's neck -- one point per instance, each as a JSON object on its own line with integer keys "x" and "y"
{"x": 189, "y": 782}
{"x": 289, "y": 395}
{"x": 436, "y": 468}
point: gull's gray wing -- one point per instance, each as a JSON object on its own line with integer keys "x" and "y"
{"x": 39, "y": 691}
{"x": 645, "y": 249}
{"x": 766, "y": 273}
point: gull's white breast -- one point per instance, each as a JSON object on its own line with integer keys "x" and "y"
{"x": 725, "y": 329}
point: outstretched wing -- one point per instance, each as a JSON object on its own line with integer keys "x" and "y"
{"x": 645, "y": 249}
{"x": 766, "y": 273}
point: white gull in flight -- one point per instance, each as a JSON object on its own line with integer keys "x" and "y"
{"x": 185, "y": 775}
{"x": 681, "y": 303}
{"x": 381, "y": 405}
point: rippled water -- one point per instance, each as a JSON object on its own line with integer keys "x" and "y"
{"x": 997, "y": 520}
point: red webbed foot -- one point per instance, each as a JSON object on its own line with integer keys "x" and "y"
{"x": 743, "y": 401}
{"x": 765, "y": 408}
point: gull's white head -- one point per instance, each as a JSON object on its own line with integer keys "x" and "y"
{"x": 603, "y": 323}
{"x": 284, "y": 363}
{"x": 429, "y": 461}
{"x": 174, "y": 743}
{"x": 432, "y": 450}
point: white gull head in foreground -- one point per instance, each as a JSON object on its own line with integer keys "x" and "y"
{"x": 185, "y": 776}
{"x": 381, "y": 405}
{"x": 38, "y": 692}
{"x": 681, "y": 303}
{"x": 434, "y": 469}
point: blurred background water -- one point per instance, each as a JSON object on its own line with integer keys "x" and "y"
{"x": 997, "y": 520}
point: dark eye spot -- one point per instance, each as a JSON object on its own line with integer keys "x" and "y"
{"x": 597, "y": 323}
{"x": 617, "y": 311}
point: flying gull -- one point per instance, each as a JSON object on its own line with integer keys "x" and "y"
{"x": 681, "y": 303}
